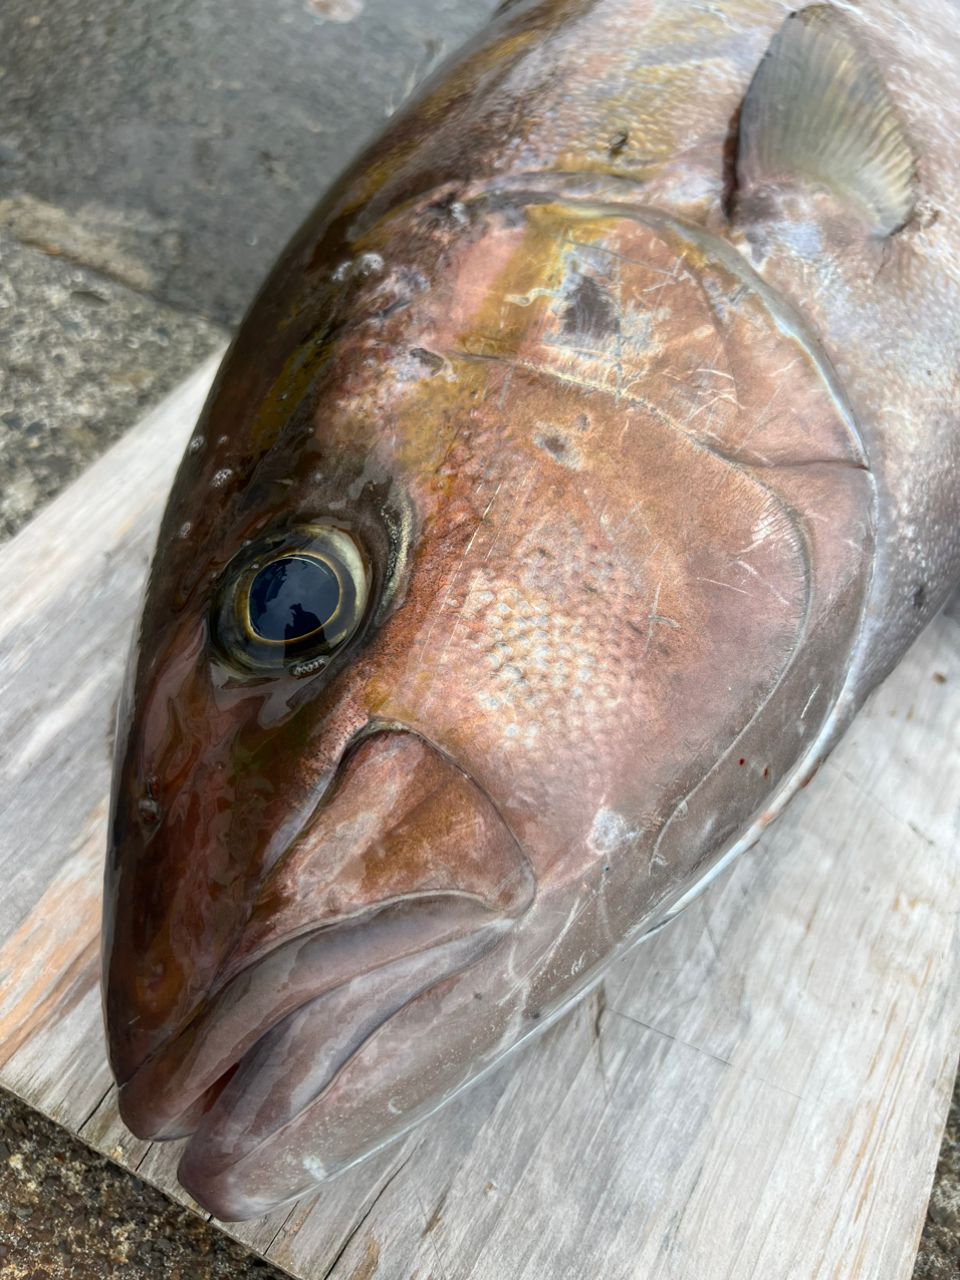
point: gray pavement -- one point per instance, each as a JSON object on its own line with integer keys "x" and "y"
{"x": 81, "y": 358}
{"x": 189, "y": 137}
{"x": 153, "y": 159}
{"x": 67, "y": 1214}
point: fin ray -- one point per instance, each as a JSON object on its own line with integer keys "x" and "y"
{"x": 819, "y": 112}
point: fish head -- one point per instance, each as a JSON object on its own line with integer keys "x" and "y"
{"x": 443, "y": 630}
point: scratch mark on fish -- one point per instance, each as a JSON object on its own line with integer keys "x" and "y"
{"x": 653, "y": 617}
{"x": 729, "y": 585}
{"x": 806, "y": 705}
{"x": 769, "y": 585}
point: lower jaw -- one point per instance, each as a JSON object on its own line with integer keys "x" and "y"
{"x": 286, "y": 1070}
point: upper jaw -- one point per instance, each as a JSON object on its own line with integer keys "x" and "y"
{"x": 400, "y": 821}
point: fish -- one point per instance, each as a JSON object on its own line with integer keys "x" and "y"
{"x": 588, "y": 456}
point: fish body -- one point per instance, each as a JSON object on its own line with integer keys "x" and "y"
{"x": 589, "y": 455}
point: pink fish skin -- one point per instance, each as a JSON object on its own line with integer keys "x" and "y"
{"x": 589, "y": 455}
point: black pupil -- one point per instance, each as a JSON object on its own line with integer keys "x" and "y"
{"x": 292, "y": 597}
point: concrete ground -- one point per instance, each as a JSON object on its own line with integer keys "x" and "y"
{"x": 153, "y": 159}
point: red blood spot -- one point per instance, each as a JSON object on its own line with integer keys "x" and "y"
{"x": 742, "y": 760}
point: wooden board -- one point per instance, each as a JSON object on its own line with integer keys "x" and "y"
{"x": 758, "y": 1091}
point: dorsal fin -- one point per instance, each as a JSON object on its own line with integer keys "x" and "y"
{"x": 818, "y": 112}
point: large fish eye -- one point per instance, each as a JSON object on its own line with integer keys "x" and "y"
{"x": 292, "y": 600}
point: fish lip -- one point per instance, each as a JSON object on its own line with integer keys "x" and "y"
{"x": 142, "y": 1095}
{"x": 354, "y": 919}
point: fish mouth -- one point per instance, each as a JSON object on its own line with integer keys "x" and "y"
{"x": 407, "y": 875}
{"x": 275, "y": 1037}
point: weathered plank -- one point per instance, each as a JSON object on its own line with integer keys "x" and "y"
{"x": 759, "y": 1090}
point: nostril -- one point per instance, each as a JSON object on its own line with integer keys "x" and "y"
{"x": 149, "y": 811}
{"x": 148, "y": 806}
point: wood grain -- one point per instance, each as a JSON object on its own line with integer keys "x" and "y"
{"x": 757, "y": 1091}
